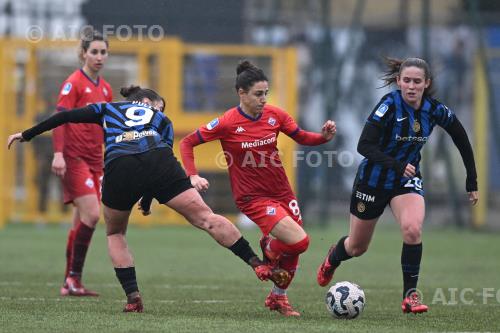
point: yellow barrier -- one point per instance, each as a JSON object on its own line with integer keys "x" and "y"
{"x": 32, "y": 73}
{"x": 3, "y": 129}
{"x": 481, "y": 142}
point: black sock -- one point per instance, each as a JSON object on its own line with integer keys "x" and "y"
{"x": 127, "y": 279}
{"x": 410, "y": 264}
{"x": 339, "y": 254}
{"x": 243, "y": 250}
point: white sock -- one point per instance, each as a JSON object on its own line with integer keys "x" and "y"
{"x": 278, "y": 291}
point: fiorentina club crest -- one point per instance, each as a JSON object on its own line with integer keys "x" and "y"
{"x": 271, "y": 121}
{"x": 89, "y": 183}
{"x": 271, "y": 210}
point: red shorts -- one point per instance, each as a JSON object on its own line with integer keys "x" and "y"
{"x": 266, "y": 212}
{"x": 81, "y": 179}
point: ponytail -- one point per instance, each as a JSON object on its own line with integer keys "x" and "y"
{"x": 395, "y": 66}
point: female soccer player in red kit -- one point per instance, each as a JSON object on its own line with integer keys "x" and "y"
{"x": 78, "y": 157}
{"x": 248, "y": 134}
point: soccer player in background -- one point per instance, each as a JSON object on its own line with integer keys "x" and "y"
{"x": 248, "y": 134}
{"x": 394, "y": 133}
{"x": 78, "y": 157}
{"x": 139, "y": 159}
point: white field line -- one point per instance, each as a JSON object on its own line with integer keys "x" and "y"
{"x": 107, "y": 285}
{"x": 161, "y": 301}
{"x": 265, "y": 285}
{"x": 97, "y": 300}
{"x": 114, "y": 285}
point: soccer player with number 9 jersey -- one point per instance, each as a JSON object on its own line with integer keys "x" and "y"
{"x": 248, "y": 134}
{"x": 139, "y": 161}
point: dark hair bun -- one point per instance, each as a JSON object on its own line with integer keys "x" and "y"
{"x": 89, "y": 35}
{"x": 243, "y": 66}
{"x": 127, "y": 91}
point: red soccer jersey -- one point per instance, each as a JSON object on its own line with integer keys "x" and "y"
{"x": 250, "y": 146}
{"x": 82, "y": 141}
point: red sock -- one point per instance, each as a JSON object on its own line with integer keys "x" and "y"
{"x": 83, "y": 235}
{"x": 280, "y": 248}
{"x": 69, "y": 251}
{"x": 289, "y": 255}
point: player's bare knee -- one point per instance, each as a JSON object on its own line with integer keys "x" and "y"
{"x": 91, "y": 219}
{"x": 202, "y": 216}
{"x": 412, "y": 238}
{"x": 203, "y": 220}
{"x": 115, "y": 228}
{"x": 206, "y": 223}
{"x": 412, "y": 233}
{"x": 90, "y": 216}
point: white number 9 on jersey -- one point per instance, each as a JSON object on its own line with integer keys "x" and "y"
{"x": 143, "y": 117}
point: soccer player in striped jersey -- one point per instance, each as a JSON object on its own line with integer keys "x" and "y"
{"x": 395, "y": 132}
{"x": 248, "y": 134}
{"x": 139, "y": 159}
{"x": 78, "y": 157}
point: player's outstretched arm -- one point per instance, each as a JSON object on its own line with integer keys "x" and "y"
{"x": 461, "y": 140}
{"x": 328, "y": 130}
{"x": 187, "y": 155}
{"x": 199, "y": 183}
{"x": 186, "y": 148}
{"x": 473, "y": 197}
{"x": 14, "y": 137}
{"x": 307, "y": 138}
{"x": 82, "y": 115}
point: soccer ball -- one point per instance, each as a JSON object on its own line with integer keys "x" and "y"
{"x": 345, "y": 300}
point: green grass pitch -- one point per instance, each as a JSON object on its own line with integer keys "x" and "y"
{"x": 190, "y": 284}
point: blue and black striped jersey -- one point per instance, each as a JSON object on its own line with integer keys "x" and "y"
{"x": 132, "y": 128}
{"x": 129, "y": 127}
{"x": 404, "y": 133}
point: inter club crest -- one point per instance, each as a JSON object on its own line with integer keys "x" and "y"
{"x": 361, "y": 207}
{"x": 416, "y": 126}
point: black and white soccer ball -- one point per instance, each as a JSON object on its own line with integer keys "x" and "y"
{"x": 345, "y": 300}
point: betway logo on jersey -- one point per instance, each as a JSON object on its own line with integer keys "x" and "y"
{"x": 260, "y": 142}
{"x": 134, "y": 135}
{"x": 411, "y": 138}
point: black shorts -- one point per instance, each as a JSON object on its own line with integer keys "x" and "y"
{"x": 369, "y": 202}
{"x": 155, "y": 172}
